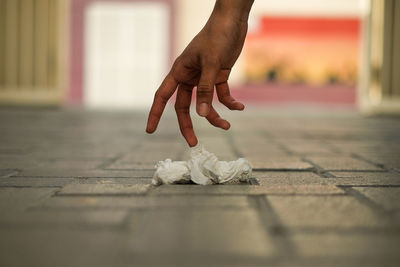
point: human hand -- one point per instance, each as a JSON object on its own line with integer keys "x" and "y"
{"x": 205, "y": 63}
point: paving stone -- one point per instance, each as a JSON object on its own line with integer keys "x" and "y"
{"x": 310, "y": 148}
{"x": 34, "y": 182}
{"x": 231, "y": 232}
{"x": 324, "y": 211}
{"x": 144, "y": 202}
{"x": 68, "y": 152}
{"x": 66, "y": 218}
{"x": 342, "y": 163}
{"x": 17, "y": 162}
{"x": 261, "y": 151}
{"x": 366, "y": 175}
{"x": 390, "y": 162}
{"x": 55, "y": 247}
{"x": 284, "y": 163}
{"x": 247, "y": 189}
{"x": 127, "y": 181}
{"x": 104, "y": 189}
{"x": 87, "y": 173}
{"x": 63, "y": 164}
{"x": 365, "y": 245}
{"x": 60, "y": 182}
{"x": 100, "y": 220}
{"x": 388, "y": 197}
{"x": 288, "y": 178}
{"x": 15, "y": 199}
{"x": 148, "y": 156}
{"x": 6, "y": 173}
{"x": 131, "y": 165}
{"x": 363, "y": 147}
{"x": 364, "y": 178}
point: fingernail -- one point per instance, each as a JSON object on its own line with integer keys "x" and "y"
{"x": 203, "y": 109}
{"x": 227, "y": 125}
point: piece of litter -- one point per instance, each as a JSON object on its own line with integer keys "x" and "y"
{"x": 202, "y": 168}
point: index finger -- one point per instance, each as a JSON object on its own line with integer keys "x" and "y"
{"x": 182, "y": 107}
{"x": 161, "y": 97}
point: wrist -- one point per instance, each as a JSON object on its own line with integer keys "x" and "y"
{"x": 233, "y": 9}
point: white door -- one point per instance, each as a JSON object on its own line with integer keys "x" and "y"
{"x": 126, "y": 53}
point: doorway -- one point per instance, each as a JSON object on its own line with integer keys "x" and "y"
{"x": 126, "y": 53}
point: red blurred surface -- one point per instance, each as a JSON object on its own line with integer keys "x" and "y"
{"x": 329, "y": 95}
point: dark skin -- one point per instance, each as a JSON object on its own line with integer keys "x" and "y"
{"x": 206, "y": 64}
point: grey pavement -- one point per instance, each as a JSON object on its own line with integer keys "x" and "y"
{"x": 75, "y": 190}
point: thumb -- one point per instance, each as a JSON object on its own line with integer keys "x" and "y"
{"x": 205, "y": 89}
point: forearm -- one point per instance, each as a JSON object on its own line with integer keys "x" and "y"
{"x": 235, "y": 9}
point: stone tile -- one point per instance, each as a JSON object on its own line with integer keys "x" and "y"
{"x": 104, "y": 189}
{"x": 364, "y": 178}
{"x": 390, "y": 162}
{"x": 127, "y": 181}
{"x": 131, "y": 165}
{"x": 284, "y": 163}
{"x": 288, "y": 178}
{"x": 364, "y": 147}
{"x": 54, "y": 218}
{"x": 231, "y": 232}
{"x": 324, "y": 211}
{"x": 148, "y": 156}
{"x": 364, "y": 245}
{"x": 17, "y": 162}
{"x": 68, "y": 152}
{"x": 262, "y": 152}
{"x": 67, "y": 164}
{"x": 119, "y": 202}
{"x": 16, "y": 199}
{"x": 87, "y": 173}
{"x": 247, "y": 189}
{"x": 387, "y": 197}
{"x": 310, "y": 148}
{"x": 53, "y": 247}
{"x": 366, "y": 175}
{"x": 342, "y": 163}
{"x": 6, "y": 173}
{"x": 303, "y": 190}
{"x": 34, "y": 182}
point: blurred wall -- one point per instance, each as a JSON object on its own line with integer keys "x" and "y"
{"x": 193, "y": 14}
{"x": 33, "y": 44}
{"x": 379, "y": 91}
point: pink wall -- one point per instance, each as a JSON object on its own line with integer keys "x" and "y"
{"x": 75, "y": 94}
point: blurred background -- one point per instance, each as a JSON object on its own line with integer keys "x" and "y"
{"x": 113, "y": 54}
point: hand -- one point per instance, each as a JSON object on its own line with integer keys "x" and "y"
{"x": 205, "y": 63}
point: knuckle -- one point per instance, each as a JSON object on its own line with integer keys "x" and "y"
{"x": 157, "y": 94}
{"x": 178, "y": 107}
{"x": 177, "y": 61}
{"x": 210, "y": 61}
{"x": 204, "y": 89}
{"x": 224, "y": 99}
{"x": 178, "y": 64}
{"x": 160, "y": 97}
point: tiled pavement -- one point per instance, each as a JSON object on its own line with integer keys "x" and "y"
{"x": 75, "y": 191}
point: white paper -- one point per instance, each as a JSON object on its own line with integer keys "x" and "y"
{"x": 202, "y": 168}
